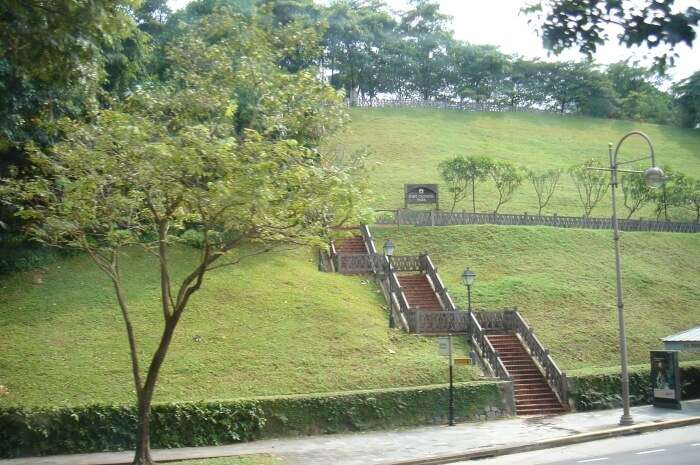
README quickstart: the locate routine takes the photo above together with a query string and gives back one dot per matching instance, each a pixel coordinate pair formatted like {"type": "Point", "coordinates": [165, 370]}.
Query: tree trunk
{"type": "Point", "coordinates": [143, 432]}
{"type": "Point", "coordinates": [473, 196]}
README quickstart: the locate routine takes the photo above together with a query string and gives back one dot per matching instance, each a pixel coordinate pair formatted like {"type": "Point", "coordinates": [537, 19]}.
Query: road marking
{"type": "Point", "coordinates": [650, 451]}
{"type": "Point", "coordinates": [693, 445]}
{"type": "Point", "coordinates": [592, 460]}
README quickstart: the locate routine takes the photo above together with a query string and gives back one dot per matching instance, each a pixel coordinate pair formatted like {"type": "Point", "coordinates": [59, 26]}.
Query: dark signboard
{"type": "Point", "coordinates": [420, 193]}
{"type": "Point", "coordinates": [665, 378]}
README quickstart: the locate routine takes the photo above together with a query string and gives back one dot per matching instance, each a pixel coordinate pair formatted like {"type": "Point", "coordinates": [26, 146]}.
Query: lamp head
{"type": "Point", "coordinates": [654, 177]}
{"type": "Point", "coordinates": [468, 277]}
{"type": "Point", "coordinates": [388, 248]}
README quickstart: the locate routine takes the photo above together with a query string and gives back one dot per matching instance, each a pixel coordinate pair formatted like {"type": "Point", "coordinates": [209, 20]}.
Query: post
{"type": "Point", "coordinates": [452, 404]}
{"type": "Point", "coordinates": [626, 418]}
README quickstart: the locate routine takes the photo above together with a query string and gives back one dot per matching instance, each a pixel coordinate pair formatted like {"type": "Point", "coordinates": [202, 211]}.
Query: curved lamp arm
{"type": "Point", "coordinates": [633, 133]}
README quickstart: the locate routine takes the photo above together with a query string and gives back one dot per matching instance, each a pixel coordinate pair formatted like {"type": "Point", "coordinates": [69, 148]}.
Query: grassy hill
{"type": "Point", "coordinates": [563, 281]}
{"type": "Point", "coordinates": [274, 325]}
{"type": "Point", "coordinates": [408, 144]}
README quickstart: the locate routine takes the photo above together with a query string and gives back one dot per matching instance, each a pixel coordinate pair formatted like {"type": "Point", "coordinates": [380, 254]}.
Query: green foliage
{"type": "Point", "coordinates": [602, 391]}
{"type": "Point", "coordinates": [635, 192]}
{"type": "Point", "coordinates": [506, 178]}
{"type": "Point", "coordinates": [544, 183]}
{"type": "Point", "coordinates": [96, 428]}
{"type": "Point", "coordinates": [590, 183]}
{"type": "Point", "coordinates": [583, 24]}
{"type": "Point", "coordinates": [687, 94]}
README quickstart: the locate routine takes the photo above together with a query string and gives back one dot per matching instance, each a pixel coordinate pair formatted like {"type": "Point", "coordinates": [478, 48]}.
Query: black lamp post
{"type": "Point", "coordinates": [388, 252]}
{"type": "Point", "coordinates": [468, 278]}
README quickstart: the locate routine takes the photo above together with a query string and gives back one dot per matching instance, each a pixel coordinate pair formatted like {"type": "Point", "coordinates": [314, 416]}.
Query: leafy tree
{"type": "Point", "coordinates": [591, 184]}
{"type": "Point", "coordinates": [478, 71]}
{"type": "Point", "coordinates": [454, 173]}
{"type": "Point", "coordinates": [180, 153]}
{"type": "Point", "coordinates": [635, 192]}
{"type": "Point", "coordinates": [567, 24]}
{"type": "Point", "coordinates": [689, 196]}
{"type": "Point", "coordinates": [506, 178]}
{"type": "Point", "coordinates": [638, 97]}
{"type": "Point", "coordinates": [477, 170]}
{"type": "Point", "coordinates": [687, 94]}
{"type": "Point", "coordinates": [544, 183]}
{"type": "Point", "coordinates": [425, 29]}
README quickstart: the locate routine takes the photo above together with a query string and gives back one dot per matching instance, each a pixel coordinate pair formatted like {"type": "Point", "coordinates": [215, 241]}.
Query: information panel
{"type": "Point", "coordinates": [665, 378]}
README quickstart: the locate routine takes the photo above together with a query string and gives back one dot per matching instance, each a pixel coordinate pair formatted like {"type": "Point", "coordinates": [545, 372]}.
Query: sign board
{"type": "Point", "coordinates": [444, 346]}
{"type": "Point", "coordinates": [665, 378]}
{"type": "Point", "coordinates": [462, 361]}
{"type": "Point", "coordinates": [420, 193]}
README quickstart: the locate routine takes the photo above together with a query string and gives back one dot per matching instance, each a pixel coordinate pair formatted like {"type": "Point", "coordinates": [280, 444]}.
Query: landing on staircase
{"type": "Point", "coordinates": [533, 396]}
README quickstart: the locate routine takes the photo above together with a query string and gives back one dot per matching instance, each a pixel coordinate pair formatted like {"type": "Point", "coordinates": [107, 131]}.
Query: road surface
{"type": "Point", "coordinates": [677, 446]}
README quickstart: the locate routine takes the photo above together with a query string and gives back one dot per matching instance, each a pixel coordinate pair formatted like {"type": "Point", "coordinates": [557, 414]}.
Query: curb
{"type": "Point", "coordinates": [487, 452]}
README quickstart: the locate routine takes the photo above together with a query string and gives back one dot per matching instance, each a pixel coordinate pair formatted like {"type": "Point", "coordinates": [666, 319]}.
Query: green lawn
{"type": "Point", "coordinates": [563, 281]}
{"type": "Point", "coordinates": [408, 144]}
{"type": "Point", "coordinates": [273, 325]}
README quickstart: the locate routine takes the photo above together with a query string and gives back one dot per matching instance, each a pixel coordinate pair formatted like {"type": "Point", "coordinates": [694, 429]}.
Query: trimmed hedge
{"type": "Point", "coordinates": [602, 391]}
{"type": "Point", "coordinates": [96, 428]}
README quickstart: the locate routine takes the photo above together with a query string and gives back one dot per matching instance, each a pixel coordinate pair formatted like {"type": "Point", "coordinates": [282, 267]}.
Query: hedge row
{"type": "Point", "coordinates": [602, 391]}
{"type": "Point", "coordinates": [95, 428]}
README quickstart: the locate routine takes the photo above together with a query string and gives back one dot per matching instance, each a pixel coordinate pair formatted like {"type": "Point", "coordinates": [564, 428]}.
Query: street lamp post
{"type": "Point", "coordinates": [654, 177]}
{"type": "Point", "coordinates": [388, 252]}
{"type": "Point", "coordinates": [468, 277]}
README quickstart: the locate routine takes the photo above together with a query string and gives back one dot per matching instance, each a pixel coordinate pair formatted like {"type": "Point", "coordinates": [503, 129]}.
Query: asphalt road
{"type": "Point", "coordinates": [678, 446]}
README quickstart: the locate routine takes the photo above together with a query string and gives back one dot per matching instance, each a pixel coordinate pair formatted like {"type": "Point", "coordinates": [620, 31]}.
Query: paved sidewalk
{"type": "Point", "coordinates": [381, 447]}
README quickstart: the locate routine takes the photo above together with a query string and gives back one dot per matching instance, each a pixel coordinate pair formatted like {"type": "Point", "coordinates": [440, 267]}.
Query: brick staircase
{"type": "Point", "coordinates": [419, 294]}
{"type": "Point", "coordinates": [351, 245]}
{"type": "Point", "coordinates": [533, 396]}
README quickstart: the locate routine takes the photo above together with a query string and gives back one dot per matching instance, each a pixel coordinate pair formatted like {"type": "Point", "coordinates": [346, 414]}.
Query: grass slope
{"type": "Point", "coordinates": [563, 281]}
{"type": "Point", "coordinates": [273, 325]}
{"type": "Point", "coordinates": [408, 144]}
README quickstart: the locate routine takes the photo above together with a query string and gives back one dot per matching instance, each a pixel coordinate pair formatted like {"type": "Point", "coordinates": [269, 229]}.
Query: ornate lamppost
{"type": "Point", "coordinates": [468, 278]}
{"type": "Point", "coordinates": [654, 178]}
{"type": "Point", "coordinates": [388, 252]}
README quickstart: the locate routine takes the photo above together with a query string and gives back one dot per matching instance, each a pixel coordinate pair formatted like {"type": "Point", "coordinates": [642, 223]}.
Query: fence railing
{"type": "Point", "coordinates": [439, 218]}
{"type": "Point", "coordinates": [432, 322]}
{"type": "Point", "coordinates": [464, 106]}
{"type": "Point", "coordinates": [485, 349]}
{"type": "Point", "coordinates": [405, 262]}
{"type": "Point", "coordinates": [431, 272]}
{"type": "Point", "coordinates": [511, 320]}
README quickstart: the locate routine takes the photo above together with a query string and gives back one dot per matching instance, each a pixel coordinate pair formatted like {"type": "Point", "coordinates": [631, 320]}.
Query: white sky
{"type": "Point", "coordinates": [498, 22]}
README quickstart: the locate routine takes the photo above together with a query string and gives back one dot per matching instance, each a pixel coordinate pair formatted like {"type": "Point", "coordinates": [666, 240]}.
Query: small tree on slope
{"type": "Point", "coordinates": [590, 184]}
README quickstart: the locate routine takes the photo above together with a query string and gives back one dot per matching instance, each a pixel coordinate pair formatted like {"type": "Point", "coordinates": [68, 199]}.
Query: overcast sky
{"type": "Point", "coordinates": [498, 22]}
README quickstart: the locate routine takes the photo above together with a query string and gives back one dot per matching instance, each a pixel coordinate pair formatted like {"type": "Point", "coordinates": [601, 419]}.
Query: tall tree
{"type": "Point", "coordinates": [590, 183]}
{"type": "Point", "coordinates": [425, 29]}
{"type": "Point", "coordinates": [687, 94]}
{"type": "Point", "coordinates": [181, 153]}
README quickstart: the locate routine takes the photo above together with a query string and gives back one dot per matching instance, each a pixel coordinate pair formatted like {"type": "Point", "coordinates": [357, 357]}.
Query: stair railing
{"type": "Point", "coordinates": [555, 377]}
{"type": "Point", "coordinates": [430, 271]}
{"type": "Point", "coordinates": [334, 256]}
{"type": "Point", "coordinates": [486, 351]}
